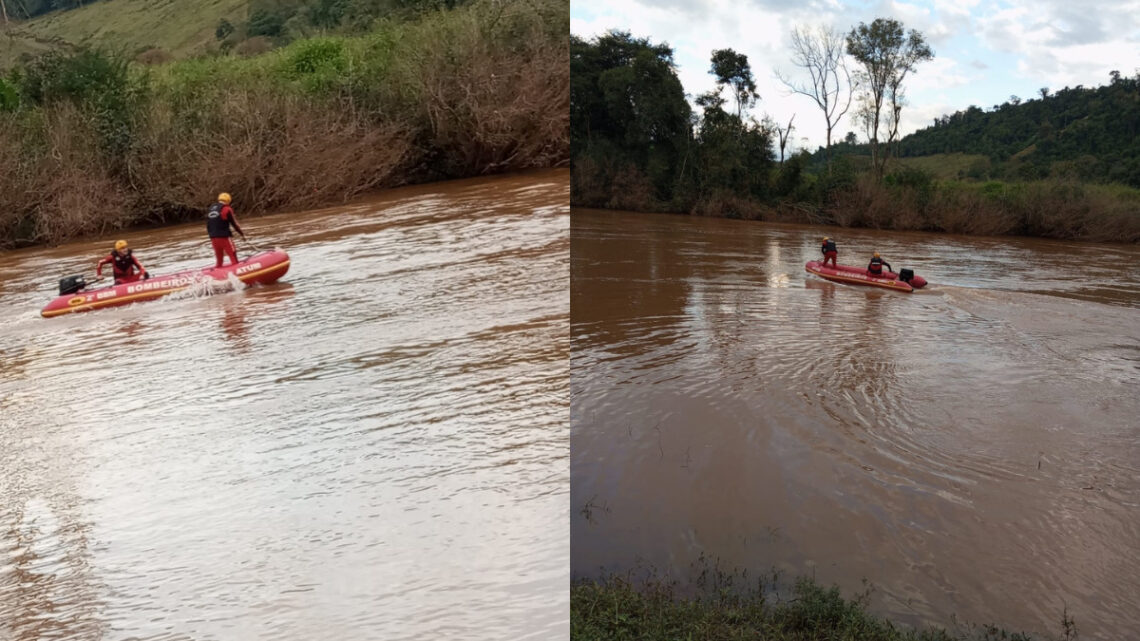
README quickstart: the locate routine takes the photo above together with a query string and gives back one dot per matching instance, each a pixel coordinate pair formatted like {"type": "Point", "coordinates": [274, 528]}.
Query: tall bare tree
{"type": "Point", "coordinates": [820, 53]}
{"type": "Point", "coordinates": [887, 54]}
{"type": "Point", "coordinates": [784, 133]}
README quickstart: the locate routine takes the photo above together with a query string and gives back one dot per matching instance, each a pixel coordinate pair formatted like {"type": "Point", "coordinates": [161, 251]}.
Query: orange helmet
{"type": "Point", "coordinates": [877, 255]}
{"type": "Point", "coordinates": [120, 245]}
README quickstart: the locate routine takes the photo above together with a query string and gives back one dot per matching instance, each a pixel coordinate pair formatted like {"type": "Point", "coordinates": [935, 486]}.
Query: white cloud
{"type": "Point", "coordinates": [1059, 43]}
{"type": "Point", "coordinates": [939, 73]}
{"type": "Point", "coordinates": [984, 51]}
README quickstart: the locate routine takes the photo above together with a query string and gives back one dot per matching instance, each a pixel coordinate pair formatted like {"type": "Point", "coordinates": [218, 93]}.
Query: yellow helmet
{"type": "Point", "coordinates": [120, 245]}
{"type": "Point", "coordinates": [826, 238]}
{"type": "Point", "coordinates": [224, 198]}
{"type": "Point", "coordinates": [877, 255]}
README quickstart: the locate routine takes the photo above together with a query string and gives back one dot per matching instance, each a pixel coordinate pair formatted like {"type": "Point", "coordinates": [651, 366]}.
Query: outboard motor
{"type": "Point", "coordinates": [71, 284]}
{"type": "Point", "coordinates": [907, 276]}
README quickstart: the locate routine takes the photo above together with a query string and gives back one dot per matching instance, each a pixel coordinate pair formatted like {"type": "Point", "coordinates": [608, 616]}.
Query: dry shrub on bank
{"type": "Point", "coordinates": [62, 188]}
{"type": "Point", "coordinates": [474, 90]}
{"type": "Point", "coordinates": [254, 46]}
{"type": "Point", "coordinates": [1118, 220]}
{"type": "Point", "coordinates": [631, 191]}
{"type": "Point", "coordinates": [13, 197]}
{"type": "Point", "coordinates": [972, 213]}
{"type": "Point", "coordinates": [494, 92]}
{"type": "Point", "coordinates": [727, 205]}
{"type": "Point", "coordinates": [589, 183]}
{"type": "Point", "coordinates": [799, 213]}
{"type": "Point", "coordinates": [865, 204]}
{"type": "Point", "coordinates": [269, 151]}
{"type": "Point", "coordinates": [153, 56]}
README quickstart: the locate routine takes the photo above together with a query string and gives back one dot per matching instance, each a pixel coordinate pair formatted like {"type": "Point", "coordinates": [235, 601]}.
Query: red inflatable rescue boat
{"type": "Point", "coordinates": [261, 268]}
{"type": "Point", "coordinates": [905, 281]}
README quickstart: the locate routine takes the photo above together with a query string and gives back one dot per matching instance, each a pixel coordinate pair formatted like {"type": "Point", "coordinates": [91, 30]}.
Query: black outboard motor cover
{"type": "Point", "coordinates": [71, 284]}
{"type": "Point", "coordinates": [905, 275]}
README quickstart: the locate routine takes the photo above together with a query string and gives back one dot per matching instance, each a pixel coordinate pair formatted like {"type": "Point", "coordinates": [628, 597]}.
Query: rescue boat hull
{"type": "Point", "coordinates": [261, 268]}
{"type": "Point", "coordinates": [857, 276]}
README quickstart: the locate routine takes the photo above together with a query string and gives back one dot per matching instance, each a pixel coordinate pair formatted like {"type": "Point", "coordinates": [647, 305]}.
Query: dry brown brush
{"type": "Point", "coordinates": [90, 148]}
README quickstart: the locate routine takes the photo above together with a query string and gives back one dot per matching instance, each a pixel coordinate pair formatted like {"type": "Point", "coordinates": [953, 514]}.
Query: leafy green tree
{"type": "Point", "coordinates": [224, 29]}
{"type": "Point", "coordinates": [887, 53]}
{"type": "Point", "coordinates": [734, 157]}
{"type": "Point", "coordinates": [327, 14]}
{"type": "Point", "coordinates": [264, 22]}
{"type": "Point", "coordinates": [628, 109]}
{"type": "Point", "coordinates": [732, 69]}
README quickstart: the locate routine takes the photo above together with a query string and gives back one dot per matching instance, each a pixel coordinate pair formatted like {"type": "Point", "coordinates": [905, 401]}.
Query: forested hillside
{"type": "Point", "coordinates": [1090, 134]}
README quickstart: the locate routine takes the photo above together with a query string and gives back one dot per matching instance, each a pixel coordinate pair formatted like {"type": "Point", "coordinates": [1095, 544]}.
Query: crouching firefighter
{"type": "Point", "coordinates": [875, 267]}
{"type": "Point", "coordinates": [125, 267]}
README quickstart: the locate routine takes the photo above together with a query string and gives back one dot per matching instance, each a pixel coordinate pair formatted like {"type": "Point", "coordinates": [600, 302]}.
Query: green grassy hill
{"type": "Point", "coordinates": [945, 166]}
{"type": "Point", "coordinates": [179, 28]}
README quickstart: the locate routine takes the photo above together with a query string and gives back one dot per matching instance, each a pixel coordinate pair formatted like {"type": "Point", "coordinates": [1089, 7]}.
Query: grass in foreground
{"type": "Point", "coordinates": [616, 609]}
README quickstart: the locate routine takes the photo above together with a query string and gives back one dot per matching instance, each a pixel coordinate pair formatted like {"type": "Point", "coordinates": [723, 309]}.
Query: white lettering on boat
{"type": "Point", "coordinates": [110, 294]}
{"type": "Point", "coordinates": [159, 284]}
{"type": "Point", "coordinates": [248, 268]}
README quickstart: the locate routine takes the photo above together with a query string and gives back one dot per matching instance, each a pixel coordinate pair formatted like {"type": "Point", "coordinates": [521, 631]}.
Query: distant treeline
{"type": "Point", "coordinates": [1091, 134]}
{"type": "Point", "coordinates": [638, 144]}
{"type": "Point", "coordinates": [285, 20]}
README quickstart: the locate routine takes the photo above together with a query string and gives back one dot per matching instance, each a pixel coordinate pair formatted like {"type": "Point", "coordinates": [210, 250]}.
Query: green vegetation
{"type": "Point", "coordinates": [633, 142]}
{"type": "Point", "coordinates": [127, 27]}
{"type": "Point", "coordinates": [637, 144]}
{"type": "Point", "coordinates": [614, 609]}
{"type": "Point", "coordinates": [155, 31]}
{"type": "Point", "coordinates": [91, 143]}
{"type": "Point", "coordinates": [1087, 134]}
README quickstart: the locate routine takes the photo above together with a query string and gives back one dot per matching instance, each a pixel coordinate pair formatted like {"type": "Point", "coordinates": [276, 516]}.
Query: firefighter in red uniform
{"type": "Point", "coordinates": [829, 251]}
{"type": "Point", "coordinates": [219, 219]}
{"type": "Point", "coordinates": [123, 265]}
{"type": "Point", "coordinates": [875, 268]}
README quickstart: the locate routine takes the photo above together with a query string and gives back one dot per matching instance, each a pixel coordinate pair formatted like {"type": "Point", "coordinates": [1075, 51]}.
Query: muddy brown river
{"type": "Point", "coordinates": [373, 448]}
{"type": "Point", "coordinates": [972, 449]}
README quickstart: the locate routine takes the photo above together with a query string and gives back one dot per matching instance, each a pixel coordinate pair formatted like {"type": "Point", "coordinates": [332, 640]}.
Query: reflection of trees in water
{"type": "Point", "coordinates": [628, 287]}
{"type": "Point", "coordinates": [238, 308]}
{"type": "Point", "coordinates": [234, 326]}
{"type": "Point", "coordinates": [13, 362]}
{"type": "Point", "coordinates": [47, 590]}
{"type": "Point", "coordinates": [131, 330]}
{"type": "Point", "coordinates": [13, 368]}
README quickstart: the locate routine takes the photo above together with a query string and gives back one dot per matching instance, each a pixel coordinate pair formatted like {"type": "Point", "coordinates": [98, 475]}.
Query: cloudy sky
{"type": "Point", "coordinates": [984, 51]}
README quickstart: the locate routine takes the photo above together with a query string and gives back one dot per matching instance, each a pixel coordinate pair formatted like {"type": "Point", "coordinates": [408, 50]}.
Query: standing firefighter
{"type": "Point", "coordinates": [829, 251]}
{"type": "Point", "coordinates": [219, 219]}
{"type": "Point", "coordinates": [123, 264]}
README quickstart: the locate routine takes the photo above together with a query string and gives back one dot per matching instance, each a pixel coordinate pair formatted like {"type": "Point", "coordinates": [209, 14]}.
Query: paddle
{"type": "Point", "coordinates": [255, 247]}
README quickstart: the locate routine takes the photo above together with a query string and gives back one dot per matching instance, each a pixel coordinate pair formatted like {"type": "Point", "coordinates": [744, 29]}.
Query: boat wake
{"type": "Point", "coordinates": [204, 286]}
